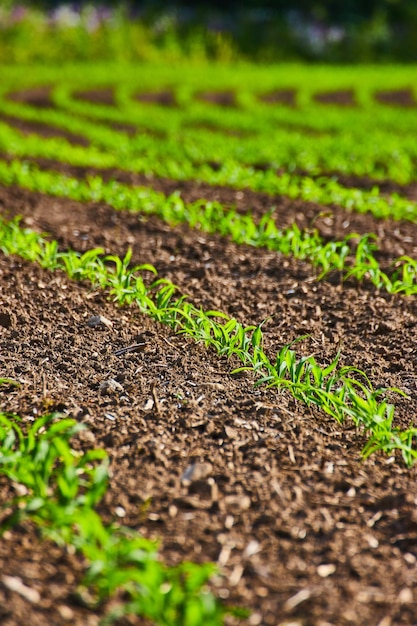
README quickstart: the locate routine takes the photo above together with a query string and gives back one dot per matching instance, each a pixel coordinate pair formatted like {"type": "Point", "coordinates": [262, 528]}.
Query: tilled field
{"type": "Point", "coordinates": [304, 531]}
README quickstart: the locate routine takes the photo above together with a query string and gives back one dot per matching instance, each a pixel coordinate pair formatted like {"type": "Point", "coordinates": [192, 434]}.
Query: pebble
{"type": "Point", "coordinates": [196, 471]}
{"type": "Point", "coordinates": [99, 320]}
{"type": "Point", "coordinates": [14, 583]}
{"type": "Point", "coordinates": [326, 569]}
{"type": "Point", "coordinates": [110, 386]}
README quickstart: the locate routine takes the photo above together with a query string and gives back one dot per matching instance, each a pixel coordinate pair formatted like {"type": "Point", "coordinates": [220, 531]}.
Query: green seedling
{"type": "Point", "coordinates": [8, 382]}
{"type": "Point", "coordinates": [62, 488]}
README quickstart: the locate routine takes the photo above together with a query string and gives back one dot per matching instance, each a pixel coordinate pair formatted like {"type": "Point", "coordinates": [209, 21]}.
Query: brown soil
{"type": "Point", "coordinates": [221, 98]}
{"type": "Point", "coordinates": [164, 98]}
{"type": "Point", "coordinates": [304, 532]}
{"type": "Point", "coordinates": [38, 97]}
{"type": "Point", "coordinates": [45, 130]}
{"type": "Point", "coordinates": [107, 97]}
{"type": "Point", "coordinates": [280, 96]}
{"type": "Point", "coordinates": [400, 98]}
{"type": "Point", "coordinates": [343, 97]}
{"type": "Point", "coordinates": [97, 96]}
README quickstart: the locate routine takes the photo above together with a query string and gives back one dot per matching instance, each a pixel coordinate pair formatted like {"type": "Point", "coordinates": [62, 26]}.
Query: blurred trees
{"type": "Point", "coordinates": [328, 10]}
{"type": "Point", "coordinates": [271, 30]}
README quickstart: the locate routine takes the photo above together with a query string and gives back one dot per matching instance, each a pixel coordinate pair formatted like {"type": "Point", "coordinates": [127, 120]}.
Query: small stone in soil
{"type": "Point", "coordinates": [99, 320]}
{"type": "Point", "coordinates": [110, 386]}
{"type": "Point", "coordinates": [14, 583]}
{"type": "Point", "coordinates": [196, 471]}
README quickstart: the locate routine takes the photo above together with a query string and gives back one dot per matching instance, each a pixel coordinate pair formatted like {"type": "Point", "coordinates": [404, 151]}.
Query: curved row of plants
{"type": "Point", "coordinates": [147, 156]}
{"type": "Point", "coordinates": [352, 261]}
{"type": "Point", "coordinates": [299, 138]}
{"type": "Point", "coordinates": [344, 393]}
{"type": "Point", "coordinates": [274, 144]}
{"type": "Point", "coordinates": [252, 88]}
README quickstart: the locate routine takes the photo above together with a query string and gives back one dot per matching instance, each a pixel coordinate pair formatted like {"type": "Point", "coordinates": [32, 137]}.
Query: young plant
{"type": "Point", "coordinates": [61, 488]}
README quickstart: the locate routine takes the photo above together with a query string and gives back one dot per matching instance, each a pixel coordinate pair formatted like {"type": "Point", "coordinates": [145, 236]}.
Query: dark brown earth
{"type": "Point", "coordinates": [39, 97]}
{"type": "Point", "coordinates": [27, 127]}
{"type": "Point", "coordinates": [280, 96]}
{"type": "Point", "coordinates": [101, 95]}
{"type": "Point", "coordinates": [343, 97]}
{"type": "Point", "coordinates": [164, 98]}
{"type": "Point", "coordinates": [221, 98]}
{"type": "Point", "coordinates": [305, 533]}
{"type": "Point", "coordinates": [399, 97]}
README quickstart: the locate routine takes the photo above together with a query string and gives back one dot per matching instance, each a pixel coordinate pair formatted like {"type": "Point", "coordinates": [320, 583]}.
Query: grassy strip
{"type": "Point", "coordinates": [212, 217]}
{"type": "Point", "coordinates": [62, 489]}
{"type": "Point", "coordinates": [342, 393]}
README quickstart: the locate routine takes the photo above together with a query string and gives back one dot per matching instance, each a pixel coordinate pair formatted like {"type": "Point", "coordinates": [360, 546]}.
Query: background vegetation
{"type": "Point", "coordinates": [270, 31]}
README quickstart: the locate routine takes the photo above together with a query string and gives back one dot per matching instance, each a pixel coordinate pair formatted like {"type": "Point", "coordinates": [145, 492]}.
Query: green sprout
{"type": "Point", "coordinates": [62, 488]}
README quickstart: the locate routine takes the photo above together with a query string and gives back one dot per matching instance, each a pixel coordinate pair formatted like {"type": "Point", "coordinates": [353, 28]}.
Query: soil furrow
{"type": "Point", "coordinates": [101, 95]}
{"type": "Point", "coordinates": [402, 98]}
{"type": "Point", "coordinates": [341, 98]}
{"type": "Point", "coordinates": [43, 129]}
{"type": "Point", "coordinates": [39, 97]}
